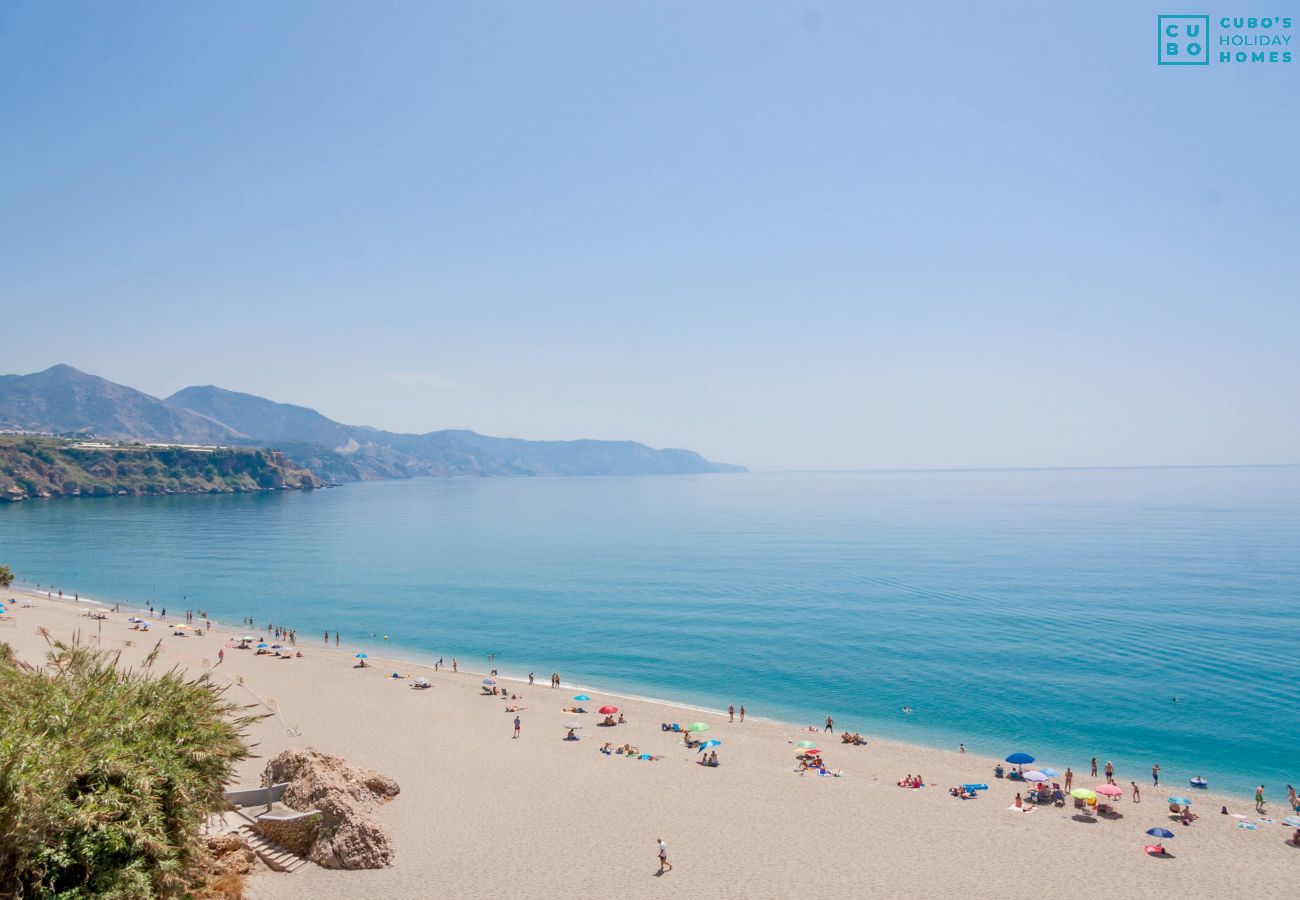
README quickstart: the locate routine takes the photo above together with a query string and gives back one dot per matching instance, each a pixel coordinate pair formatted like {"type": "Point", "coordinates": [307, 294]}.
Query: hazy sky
{"type": "Point", "coordinates": [790, 235]}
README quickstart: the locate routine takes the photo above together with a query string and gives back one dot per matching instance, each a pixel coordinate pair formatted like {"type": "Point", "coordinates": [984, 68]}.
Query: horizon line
{"type": "Point", "coordinates": [955, 469]}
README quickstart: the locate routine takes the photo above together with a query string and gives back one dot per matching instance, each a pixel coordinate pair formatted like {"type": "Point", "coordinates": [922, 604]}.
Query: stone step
{"type": "Point", "coordinates": [276, 857]}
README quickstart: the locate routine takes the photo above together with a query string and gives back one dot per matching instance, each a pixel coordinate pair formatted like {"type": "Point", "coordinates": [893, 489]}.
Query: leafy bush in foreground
{"type": "Point", "coordinates": [106, 775]}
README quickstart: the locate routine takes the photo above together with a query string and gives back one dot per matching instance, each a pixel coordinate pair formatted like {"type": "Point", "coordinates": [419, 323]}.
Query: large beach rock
{"type": "Point", "coordinates": [347, 836]}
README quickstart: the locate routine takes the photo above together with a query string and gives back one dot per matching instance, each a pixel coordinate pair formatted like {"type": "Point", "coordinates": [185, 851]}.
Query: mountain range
{"type": "Point", "coordinates": [64, 400]}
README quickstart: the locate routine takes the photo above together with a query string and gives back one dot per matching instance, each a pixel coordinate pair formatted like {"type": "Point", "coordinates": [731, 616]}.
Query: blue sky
{"type": "Point", "coordinates": [791, 235]}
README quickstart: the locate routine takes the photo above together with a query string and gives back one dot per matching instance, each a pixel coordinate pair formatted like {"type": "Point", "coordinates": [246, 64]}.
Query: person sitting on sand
{"type": "Point", "coordinates": [608, 749]}
{"type": "Point", "coordinates": [1188, 816]}
{"type": "Point", "coordinates": [905, 781]}
{"type": "Point", "coordinates": [609, 722]}
{"type": "Point", "coordinates": [621, 720]}
{"type": "Point", "coordinates": [1295, 838]}
{"type": "Point", "coordinates": [571, 736]}
{"type": "Point", "coordinates": [1020, 804]}
{"type": "Point", "coordinates": [298, 654]}
{"type": "Point", "coordinates": [361, 665]}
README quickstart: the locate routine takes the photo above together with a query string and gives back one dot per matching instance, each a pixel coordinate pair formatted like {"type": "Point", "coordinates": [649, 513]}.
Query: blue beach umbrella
{"type": "Point", "coordinates": [1050, 773]}
{"type": "Point", "coordinates": [489, 681]}
{"type": "Point", "coordinates": [1160, 832]}
{"type": "Point", "coordinates": [261, 646]}
{"type": "Point", "coordinates": [1181, 801]}
{"type": "Point", "coordinates": [362, 656]}
{"type": "Point", "coordinates": [1020, 759]}
{"type": "Point", "coordinates": [707, 744]}
{"type": "Point", "coordinates": [582, 697]}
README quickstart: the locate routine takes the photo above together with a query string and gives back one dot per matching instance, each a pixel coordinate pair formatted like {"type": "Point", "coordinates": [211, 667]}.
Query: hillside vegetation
{"type": "Point", "coordinates": [37, 468]}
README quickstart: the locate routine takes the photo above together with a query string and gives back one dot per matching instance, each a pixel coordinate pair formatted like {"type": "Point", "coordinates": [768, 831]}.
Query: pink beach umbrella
{"type": "Point", "coordinates": [1109, 790]}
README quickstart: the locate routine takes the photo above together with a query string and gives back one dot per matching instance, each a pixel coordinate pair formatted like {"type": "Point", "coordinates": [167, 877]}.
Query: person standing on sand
{"type": "Point", "coordinates": [1069, 778]}
{"type": "Point", "coordinates": [516, 726]}
{"type": "Point", "coordinates": [1094, 767]}
{"type": "Point", "coordinates": [1155, 775]}
{"type": "Point", "coordinates": [731, 713]}
{"type": "Point", "coordinates": [1110, 772]}
{"type": "Point", "coordinates": [742, 712]}
{"type": "Point", "coordinates": [453, 664]}
{"type": "Point", "coordinates": [221, 656]}
{"type": "Point", "coordinates": [1137, 795]}
{"type": "Point", "coordinates": [530, 679]}
{"type": "Point", "coordinates": [664, 864]}
{"type": "Point", "coordinates": [1259, 799]}
{"type": "Point", "coordinates": [830, 725]}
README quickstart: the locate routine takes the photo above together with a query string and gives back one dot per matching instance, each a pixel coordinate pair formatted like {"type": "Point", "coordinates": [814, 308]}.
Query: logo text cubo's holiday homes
{"type": "Point", "coordinates": [1198, 40]}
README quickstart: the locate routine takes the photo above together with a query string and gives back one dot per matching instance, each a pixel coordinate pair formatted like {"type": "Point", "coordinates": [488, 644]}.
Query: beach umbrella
{"type": "Point", "coordinates": [608, 710]}
{"type": "Point", "coordinates": [1020, 759]}
{"type": "Point", "coordinates": [803, 744]}
{"type": "Point", "coordinates": [359, 655]}
{"type": "Point", "coordinates": [1050, 773]}
{"type": "Point", "coordinates": [1292, 820]}
{"type": "Point", "coordinates": [277, 646]}
{"type": "Point", "coordinates": [707, 744]}
{"type": "Point", "coordinates": [247, 638]}
{"type": "Point", "coordinates": [489, 681]}
{"type": "Point", "coordinates": [1035, 776]}
{"type": "Point", "coordinates": [261, 646]}
{"type": "Point", "coordinates": [812, 751]}
{"type": "Point", "coordinates": [698, 726]}
{"type": "Point", "coordinates": [572, 725]}
{"type": "Point", "coordinates": [1160, 832]}
{"type": "Point", "coordinates": [1083, 794]}
{"type": "Point", "coordinates": [582, 697]}
{"type": "Point", "coordinates": [1110, 790]}
{"type": "Point", "coordinates": [1181, 801]}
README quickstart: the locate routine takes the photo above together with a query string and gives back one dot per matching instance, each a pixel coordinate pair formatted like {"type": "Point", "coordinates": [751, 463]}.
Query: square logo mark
{"type": "Point", "coordinates": [1183, 40]}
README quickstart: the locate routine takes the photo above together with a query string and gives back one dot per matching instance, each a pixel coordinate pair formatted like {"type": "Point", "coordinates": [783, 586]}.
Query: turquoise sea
{"type": "Point", "coordinates": [1057, 612]}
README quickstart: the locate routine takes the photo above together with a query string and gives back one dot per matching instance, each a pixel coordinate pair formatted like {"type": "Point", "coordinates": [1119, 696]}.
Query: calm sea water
{"type": "Point", "coordinates": [1055, 612]}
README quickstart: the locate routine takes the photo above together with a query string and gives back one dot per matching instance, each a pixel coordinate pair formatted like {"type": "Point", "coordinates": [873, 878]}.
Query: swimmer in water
{"type": "Point", "coordinates": [907, 710]}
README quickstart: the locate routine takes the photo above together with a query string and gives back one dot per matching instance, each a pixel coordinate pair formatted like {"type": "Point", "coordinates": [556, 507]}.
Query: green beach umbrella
{"type": "Point", "coordinates": [698, 726]}
{"type": "Point", "coordinates": [804, 745]}
{"type": "Point", "coordinates": [1083, 794]}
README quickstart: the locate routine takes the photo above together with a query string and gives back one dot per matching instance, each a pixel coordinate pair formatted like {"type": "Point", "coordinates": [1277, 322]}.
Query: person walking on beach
{"type": "Point", "coordinates": [731, 713]}
{"type": "Point", "coordinates": [221, 656]}
{"type": "Point", "coordinates": [1259, 799]}
{"type": "Point", "coordinates": [1137, 795]}
{"type": "Point", "coordinates": [1069, 778]}
{"type": "Point", "coordinates": [1155, 775]}
{"type": "Point", "coordinates": [1110, 772]}
{"type": "Point", "coordinates": [1094, 767]}
{"type": "Point", "coordinates": [664, 864]}
{"type": "Point", "coordinates": [516, 726]}
{"type": "Point", "coordinates": [830, 725]}
{"type": "Point", "coordinates": [742, 712]}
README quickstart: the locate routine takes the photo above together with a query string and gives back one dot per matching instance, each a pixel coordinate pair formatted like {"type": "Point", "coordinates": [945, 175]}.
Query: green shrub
{"type": "Point", "coordinates": [106, 775]}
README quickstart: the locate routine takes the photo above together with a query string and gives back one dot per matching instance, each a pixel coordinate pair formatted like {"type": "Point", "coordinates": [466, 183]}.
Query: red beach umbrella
{"type": "Point", "coordinates": [608, 710]}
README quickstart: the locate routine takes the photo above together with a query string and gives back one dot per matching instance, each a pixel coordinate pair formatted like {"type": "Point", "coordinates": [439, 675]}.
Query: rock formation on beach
{"type": "Point", "coordinates": [346, 834]}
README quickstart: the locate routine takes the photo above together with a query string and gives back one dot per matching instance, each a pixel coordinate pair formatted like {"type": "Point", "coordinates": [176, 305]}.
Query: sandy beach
{"type": "Point", "coordinates": [482, 814]}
